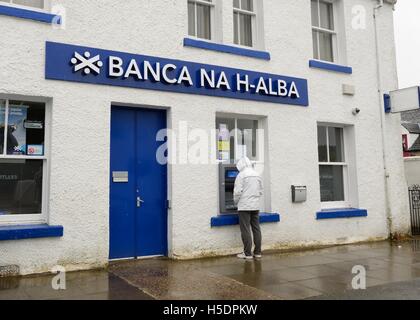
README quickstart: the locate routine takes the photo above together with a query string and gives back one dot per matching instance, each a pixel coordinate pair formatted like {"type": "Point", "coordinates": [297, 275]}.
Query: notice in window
{"type": "Point", "coordinates": [16, 133]}
{"type": "Point", "coordinates": [224, 143]}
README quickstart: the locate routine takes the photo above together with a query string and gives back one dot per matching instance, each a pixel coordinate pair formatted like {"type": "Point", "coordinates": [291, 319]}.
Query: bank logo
{"type": "Point", "coordinates": [87, 63]}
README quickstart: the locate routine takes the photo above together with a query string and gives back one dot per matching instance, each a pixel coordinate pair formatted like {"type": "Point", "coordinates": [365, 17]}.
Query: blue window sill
{"type": "Point", "coordinates": [330, 66]}
{"type": "Point", "coordinates": [341, 213]}
{"type": "Point", "coordinates": [30, 232]}
{"type": "Point", "coordinates": [30, 14]}
{"type": "Point", "coordinates": [233, 219]}
{"type": "Point", "coordinates": [188, 42]}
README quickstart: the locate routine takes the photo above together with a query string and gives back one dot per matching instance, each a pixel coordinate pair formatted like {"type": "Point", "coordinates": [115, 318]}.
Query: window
{"type": "Point", "coordinates": [39, 4]}
{"type": "Point", "coordinates": [22, 160]}
{"type": "Point", "coordinates": [332, 164]}
{"type": "Point", "coordinates": [200, 18]}
{"type": "Point", "coordinates": [324, 34]}
{"type": "Point", "coordinates": [243, 22]}
{"type": "Point", "coordinates": [237, 138]}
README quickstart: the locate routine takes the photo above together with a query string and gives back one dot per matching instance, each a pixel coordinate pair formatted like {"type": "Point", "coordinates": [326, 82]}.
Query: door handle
{"type": "Point", "coordinates": [139, 202]}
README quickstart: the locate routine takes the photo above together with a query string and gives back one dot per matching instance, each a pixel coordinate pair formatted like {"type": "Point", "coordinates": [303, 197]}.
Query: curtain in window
{"type": "Point", "coordinates": [245, 22]}
{"type": "Point", "coordinates": [191, 18]}
{"type": "Point", "coordinates": [326, 46]}
{"type": "Point", "coordinates": [30, 3]}
{"type": "Point", "coordinates": [204, 23]}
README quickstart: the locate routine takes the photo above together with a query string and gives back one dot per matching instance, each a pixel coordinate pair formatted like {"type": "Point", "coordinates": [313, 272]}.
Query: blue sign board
{"type": "Point", "coordinates": [97, 66]}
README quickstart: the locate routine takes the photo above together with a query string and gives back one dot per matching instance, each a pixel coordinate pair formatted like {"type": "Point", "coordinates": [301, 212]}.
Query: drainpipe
{"type": "Point", "coordinates": [382, 116]}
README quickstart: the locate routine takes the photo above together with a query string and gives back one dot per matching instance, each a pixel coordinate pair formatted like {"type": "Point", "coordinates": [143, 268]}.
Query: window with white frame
{"type": "Point", "coordinates": [22, 160]}
{"type": "Point", "coordinates": [333, 168]}
{"type": "Point", "coordinates": [244, 16]}
{"type": "Point", "coordinates": [39, 4]}
{"type": "Point", "coordinates": [238, 137]}
{"type": "Point", "coordinates": [324, 33]}
{"type": "Point", "coordinates": [200, 18]}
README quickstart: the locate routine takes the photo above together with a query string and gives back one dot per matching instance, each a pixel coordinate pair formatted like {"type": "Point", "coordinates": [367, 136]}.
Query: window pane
{"type": "Point", "coordinates": [335, 137]}
{"type": "Point", "coordinates": [30, 3]}
{"type": "Point", "coordinates": [325, 46]}
{"type": "Point", "coordinates": [21, 187]}
{"type": "Point", "coordinates": [204, 22]}
{"type": "Point", "coordinates": [322, 144]}
{"type": "Point", "coordinates": [247, 139]}
{"type": "Point", "coordinates": [326, 15]}
{"type": "Point", "coordinates": [225, 139]}
{"type": "Point", "coordinates": [236, 28]}
{"type": "Point", "coordinates": [245, 24]}
{"type": "Point", "coordinates": [191, 18]}
{"type": "Point", "coordinates": [247, 5]}
{"type": "Point", "coordinates": [332, 183]}
{"type": "Point", "coordinates": [26, 128]}
{"type": "Point", "coordinates": [315, 44]}
{"type": "Point", "coordinates": [315, 13]}
{"type": "Point", "coordinates": [236, 4]}
{"type": "Point", "coordinates": [2, 119]}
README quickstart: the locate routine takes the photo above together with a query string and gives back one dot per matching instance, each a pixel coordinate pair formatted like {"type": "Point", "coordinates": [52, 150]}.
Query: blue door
{"type": "Point", "coordinates": [138, 195]}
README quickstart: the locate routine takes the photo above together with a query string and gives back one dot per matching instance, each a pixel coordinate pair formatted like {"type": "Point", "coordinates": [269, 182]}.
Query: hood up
{"type": "Point", "coordinates": [243, 164]}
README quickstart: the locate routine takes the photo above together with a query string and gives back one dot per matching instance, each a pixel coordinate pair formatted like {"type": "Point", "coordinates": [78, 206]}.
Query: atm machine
{"type": "Point", "coordinates": [227, 177]}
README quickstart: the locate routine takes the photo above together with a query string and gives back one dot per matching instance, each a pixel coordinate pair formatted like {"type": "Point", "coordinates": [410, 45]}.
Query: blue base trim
{"type": "Point", "coordinates": [330, 66]}
{"type": "Point", "coordinates": [30, 232]}
{"type": "Point", "coordinates": [233, 219]}
{"type": "Point", "coordinates": [30, 14]}
{"type": "Point", "coordinates": [341, 213]}
{"type": "Point", "coordinates": [188, 42]}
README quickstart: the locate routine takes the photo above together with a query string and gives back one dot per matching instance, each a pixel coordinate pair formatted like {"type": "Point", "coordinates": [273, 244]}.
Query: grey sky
{"type": "Point", "coordinates": [407, 30]}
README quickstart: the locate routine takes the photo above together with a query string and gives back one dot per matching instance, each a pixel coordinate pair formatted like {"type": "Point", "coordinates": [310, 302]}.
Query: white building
{"type": "Point", "coordinates": [87, 86]}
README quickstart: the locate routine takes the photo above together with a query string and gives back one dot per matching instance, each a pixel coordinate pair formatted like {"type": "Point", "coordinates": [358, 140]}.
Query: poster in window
{"type": "Point", "coordinates": [35, 150]}
{"type": "Point", "coordinates": [16, 135]}
{"type": "Point", "coordinates": [224, 143]}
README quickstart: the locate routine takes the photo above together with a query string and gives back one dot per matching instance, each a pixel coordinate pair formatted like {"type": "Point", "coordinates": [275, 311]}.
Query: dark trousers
{"type": "Point", "coordinates": [250, 221]}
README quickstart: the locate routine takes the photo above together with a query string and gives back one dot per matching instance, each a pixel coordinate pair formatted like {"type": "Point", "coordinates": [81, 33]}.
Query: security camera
{"type": "Point", "coordinates": [356, 111]}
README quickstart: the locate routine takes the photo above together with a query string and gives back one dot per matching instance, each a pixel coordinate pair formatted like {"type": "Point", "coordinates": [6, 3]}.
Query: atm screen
{"type": "Point", "coordinates": [232, 174]}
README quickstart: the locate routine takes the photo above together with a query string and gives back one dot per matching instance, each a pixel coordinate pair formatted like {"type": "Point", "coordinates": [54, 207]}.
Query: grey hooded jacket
{"type": "Point", "coordinates": [248, 187]}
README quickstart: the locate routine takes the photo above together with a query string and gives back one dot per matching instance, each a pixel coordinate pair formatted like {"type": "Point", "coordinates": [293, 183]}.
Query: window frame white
{"type": "Point", "coordinates": [42, 217]}
{"type": "Point", "coordinates": [262, 162]}
{"type": "Point", "coordinates": [254, 18]}
{"type": "Point", "coordinates": [259, 146]}
{"type": "Point", "coordinates": [335, 33]}
{"type": "Point", "coordinates": [344, 164]}
{"type": "Point", "coordinates": [213, 5]}
{"type": "Point", "coordinates": [47, 6]}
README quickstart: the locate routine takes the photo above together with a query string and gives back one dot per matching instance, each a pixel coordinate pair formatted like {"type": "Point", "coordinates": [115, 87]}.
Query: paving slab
{"type": "Point", "coordinates": [324, 273]}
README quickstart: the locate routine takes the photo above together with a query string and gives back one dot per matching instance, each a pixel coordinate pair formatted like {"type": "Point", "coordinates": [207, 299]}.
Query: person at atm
{"type": "Point", "coordinates": [247, 193]}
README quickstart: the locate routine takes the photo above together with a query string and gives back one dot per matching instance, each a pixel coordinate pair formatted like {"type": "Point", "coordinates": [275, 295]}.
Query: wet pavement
{"type": "Point", "coordinates": [392, 272]}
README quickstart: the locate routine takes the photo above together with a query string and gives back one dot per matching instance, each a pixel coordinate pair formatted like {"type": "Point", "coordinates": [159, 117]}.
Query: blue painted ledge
{"type": "Point", "coordinates": [188, 42]}
{"type": "Point", "coordinates": [233, 219]}
{"type": "Point", "coordinates": [341, 213]}
{"type": "Point", "coordinates": [30, 14]}
{"type": "Point", "coordinates": [330, 66]}
{"type": "Point", "coordinates": [30, 232]}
